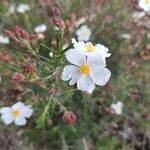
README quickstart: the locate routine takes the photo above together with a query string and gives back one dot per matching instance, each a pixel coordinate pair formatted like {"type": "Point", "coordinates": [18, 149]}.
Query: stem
{"type": "Point", "coordinates": [62, 106]}
{"type": "Point", "coordinates": [46, 47]}
{"type": "Point", "coordinates": [44, 58]}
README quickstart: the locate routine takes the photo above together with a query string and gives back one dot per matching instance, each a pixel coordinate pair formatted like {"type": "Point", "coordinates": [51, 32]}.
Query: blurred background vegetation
{"type": "Point", "coordinates": [113, 25]}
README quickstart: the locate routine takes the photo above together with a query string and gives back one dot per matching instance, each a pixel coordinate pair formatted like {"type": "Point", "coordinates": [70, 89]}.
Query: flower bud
{"type": "Point", "coordinates": [21, 34]}
{"type": "Point", "coordinates": [28, 68]}
{"type": "Point", "coordinates": [69, 117]}
{"type": "Point", "coordinates": [57, 21]}
{"type": "Point", "coordinates": [50, 122]}
{"type": "Point", "coordinates": [5, 57]}
{"type": "Point", "coordinates": [57, 12]}
{"type": "Point", "coordinates": [18, 76]}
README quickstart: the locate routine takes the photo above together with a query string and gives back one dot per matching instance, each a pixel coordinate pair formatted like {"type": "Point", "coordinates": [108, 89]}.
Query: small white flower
{"type": "Point", "coordinates": [125, 36]}
{"type": "Point", "coordinates": [4, 39]}
{"type": "Point", "coordinates": [40, 28]}
{"type": "Point", "coordinates": [83, 33]}
{"type": "Point", "coordinates": [56, 28]}
{"type": "Point", "coordinates": [86, 71]}
{"type": "Point", "coordinates": [17, 114]}
{"type": "Point", "coordinates": [22, 8]}
{"type": "Point", "coordinates": [117, 107]}
{"type": "Point", "coordinates": [145, 5]}
{"type": "Point", "coordinates": [51, 54]}
{"type": "Point", "coordinates": [89, 49]}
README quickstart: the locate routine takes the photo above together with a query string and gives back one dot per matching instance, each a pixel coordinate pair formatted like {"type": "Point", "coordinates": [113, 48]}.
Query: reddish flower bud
{"type": "Point", "coordinates": [9, 33]}
{"type": "Point", "coordinates": [28, 68]}
{"type": "Point", "coordinates": [57, 21]}
{"type": "Point", "coordinates": [50, 122]}
{"type": "Point", "coordinates": [18, 76]}
{"type": "Point", "coordinates": [110, 110]}
{"type": "Point", "coordinates": [26, 56]}
{"type": "Point", "coordinates": [69, 117]}
{"type": "Point", "coordinates": [57, 12]}
{"type": "Point", "coordinates": [5, 57]}
{"type": "Point", "coordinates": [21, 34]}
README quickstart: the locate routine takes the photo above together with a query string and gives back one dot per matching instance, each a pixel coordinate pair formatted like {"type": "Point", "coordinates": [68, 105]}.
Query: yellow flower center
{"type": "Point", "coordinates": [85, 69]}
{"type": "Point", "coordinates": [90, 47]}
{"type": "Point", "coordinates": [147, 1]}
{"type": "Point", "coordinates": [16, 113]}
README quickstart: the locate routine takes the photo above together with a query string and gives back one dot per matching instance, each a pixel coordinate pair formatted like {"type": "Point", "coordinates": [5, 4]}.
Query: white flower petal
{"type": "Point", "coordinates": [102, 50]}
{"type": "Point", "coordinates": [40, 28]}
{"type": "Point", "coordinates": [4, 39]}
{"type": "Point", "coordinates": [75, 57]}
{"type": "Point", "coordinates": [22, 8]}
{"type": "Point", "coordinates": [85, 83]}
{"type": "Point", "coordinates": [75, 78]}
{"type": "Point", "coordinates": [144, 5]}
{"type": "Point", "coordinates": [4, 110]}
{"type": "Point", "coordinates": [83, 33]}
{"type": "Point", "coordinates": [18, 105]}
{"type": "Point", "coordinates": [20, 121]}
{"type": "Point", "coordinates": [95, 60]}
{"type": "Point", "coordinates": [119, 103]}
{"type": "Point", "coordinates": [100, 75]}
{"type": "Point", "coordinates": [27, 111]}
{"type": "Point", "coordinates": [7, 118]}
{"type": "Point", "coordinates": [68, 72]}
{"type": "Point", "coordinates": [79, 46]}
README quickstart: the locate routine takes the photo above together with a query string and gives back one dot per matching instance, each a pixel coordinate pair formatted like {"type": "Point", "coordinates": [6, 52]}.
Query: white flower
{"type": "Point", "coordinates": [83, 33]}
{"type": "Point", "coordinates": [51, 54]}
{"type": "Point", "coordinates": [145, 5]}
{"type": "Point", "coordinates": [22, 8]}
{"type": "Point", "coordinates": [56, 28]}
{"type": "Point", "coordinates": [17, 114]}
{"type": "Point", "coordinates": [4, 39]}
{"type": "Point", "coordinates": [86, 71]}
{"type": "Point", "coordinates": [117, 107]}
{"type": "Point", "coordinates": [125, 36]}
{"type": "Point", "coordinates": [40, 28]}
{"type": "Point", "coordinates": [89, 49]}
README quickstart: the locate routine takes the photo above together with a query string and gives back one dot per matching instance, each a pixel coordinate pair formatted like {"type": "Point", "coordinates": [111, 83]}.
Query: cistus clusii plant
{"type": "Point", "coordinates": [74, 75]}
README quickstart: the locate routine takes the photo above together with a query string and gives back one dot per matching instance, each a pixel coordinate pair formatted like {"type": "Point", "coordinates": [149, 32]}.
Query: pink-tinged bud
{"type": "Point", "coordinates": [5, 57]}
{"type": "Point", "coordinates": [57, 21]}
{"type": "Point", "coordinates": [69, 117]}
{"type": "Point", "coordinates": [50, 122]}
{"type": "Point", "coordinates": [26, 56]}
{"type": "Point", "coordinates": [9, 33]}
{"type": "Point", "coordinates": [57, 12]}
{"type": "Point", "coordinates": [40, 36]}
{"type": "Point", "coordinates": [21, 34]}
{"type": "Point", "coordinates": [18, 76]}
{"type": "Point", "coordinates": [28, 68]}
{"type": "Point", "coordinates": [110, 110]}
